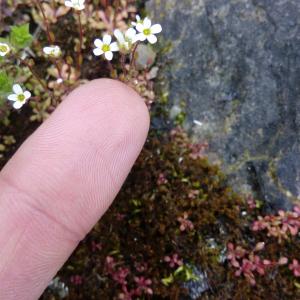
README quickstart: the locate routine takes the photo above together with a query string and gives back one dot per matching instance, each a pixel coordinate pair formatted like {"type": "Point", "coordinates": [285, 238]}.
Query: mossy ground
{"type": "Point", "coordinates": [142, 227]}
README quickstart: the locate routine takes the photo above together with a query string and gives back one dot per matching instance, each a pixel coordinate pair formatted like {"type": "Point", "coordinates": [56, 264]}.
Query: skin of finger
{"type": "Point", "coordinates": [63, 179]}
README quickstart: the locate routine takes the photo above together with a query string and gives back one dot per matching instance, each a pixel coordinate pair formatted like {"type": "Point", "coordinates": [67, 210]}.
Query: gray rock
{"type": "Point", "coordinates": [58, 287]}
{"type": "Point", "coordinates": [197, 287]}
{"type": "Point", "coordinates": [236, 63]}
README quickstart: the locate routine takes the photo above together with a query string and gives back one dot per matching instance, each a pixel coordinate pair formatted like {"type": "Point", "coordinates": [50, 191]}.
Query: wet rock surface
{"type": "Point", "coordinates": [236, 65]}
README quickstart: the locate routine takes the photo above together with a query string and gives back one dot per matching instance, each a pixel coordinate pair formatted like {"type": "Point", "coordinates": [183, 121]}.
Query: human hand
{"type": "Point", "coordinates": [62, 180]}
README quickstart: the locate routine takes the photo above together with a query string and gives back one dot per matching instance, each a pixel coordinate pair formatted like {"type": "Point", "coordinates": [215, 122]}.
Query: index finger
{"type": "Point", "coordinates": [62, 180]}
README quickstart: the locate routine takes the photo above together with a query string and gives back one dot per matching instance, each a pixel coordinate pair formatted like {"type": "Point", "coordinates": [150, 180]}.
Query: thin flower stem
{"type": "Point", "coordinates": [56, 63]}
{"type": "Point", "coordinates": [132, 63]}
{"type": "Point", "coordinates": [49, 36]}
{"type": "Point", "coordinates": [123, 64]}
{"type": "Point", "coordinates": [70, 71]}
{"type": "Point", "coordinates": [111, 69]}
{"type": "Point", "coordinates": [25, 63]}
{"type": "Point", "coordinates": [80, 41]}
{"type": "Point", "coordinates": [46, 23]}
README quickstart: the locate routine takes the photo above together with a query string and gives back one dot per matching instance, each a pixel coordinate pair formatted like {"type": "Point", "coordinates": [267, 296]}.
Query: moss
{"type": "Point", "coordinates": [142, 227]}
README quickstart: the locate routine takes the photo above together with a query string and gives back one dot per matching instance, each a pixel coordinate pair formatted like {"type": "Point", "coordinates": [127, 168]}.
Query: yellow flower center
{"type": "Point", "coordinates": [105, 48]}
{"type": "Point", "coordinates": [3, 48]}
{"type": "Point", "coordinates": [21, 97]}
{"type": "Point", "coordinates": [147, 31]}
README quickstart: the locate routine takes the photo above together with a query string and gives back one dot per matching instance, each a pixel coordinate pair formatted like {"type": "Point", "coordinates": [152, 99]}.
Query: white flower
{"type": "Point", "coordinates": [4, 49]}
{"type": "Point", "coordinates": [139, 20]}
{"type": "Point", "coordinates": [125, 40]}
{"type": "Point", "coordinates": [148, 31]}
{"type": "Point", "coordinates": [105, 47]}
{"type": "Point", "coordinates": [53, 51]}
{"type": "Point", "coordinates": [76, 4]}
{"type": "Point", "coordinates": [19, 97]}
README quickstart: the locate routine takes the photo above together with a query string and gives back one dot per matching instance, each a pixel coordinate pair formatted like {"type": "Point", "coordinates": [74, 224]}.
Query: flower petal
{"type": "Point", "coordinates": [12, 97]}
{"type": "Point", "coordinates": [134, 39]}
{"type": "Point", "coordinates": [106, 39]}
{"type": "Point", "coordinates": [140, 27]}
{"type": "Point", "coordinates": [108, 55]}
{"type": "Point", "coordinates": [147, 23]}
{"type": "Point", "coordinates": [98, 43]}
{"type": "Point", "coordinates": [152, 39]}
{"type": "Point", "coordinates": [27, 95]}
{"type": "Point", "coordinates": [140, 37]}
{"type": "Point", "coordinates": [79, 7]}
{"type": "Point", "coordinates": [17, 89]}
{"type": "Point", "coordinates": [119, 36]}
{"type": "Point", "coordinates": [98, 51]}
{"type": "Point", "coordinates": [138, 18]}
{"type": "Point", "coordinates": [46, 50]}
{"type": "Point", "coordinates": [18, 104]}
{"type": "Point", "coordinates": [156, 28]}
{"type": "Point", "coordinates": [68, 3]}
{"type": "Point", "coordinates": [130, 33]}
{"type": "Point", "coordinates": [114, 47]}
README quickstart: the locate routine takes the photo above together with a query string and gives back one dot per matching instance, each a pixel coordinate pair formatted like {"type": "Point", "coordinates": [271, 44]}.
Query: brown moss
{"type": "Point", "coordinates": [141, 228]}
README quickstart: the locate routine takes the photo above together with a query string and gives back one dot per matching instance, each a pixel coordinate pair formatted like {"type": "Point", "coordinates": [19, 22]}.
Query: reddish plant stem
{"type": "Point", "coordinates": [132, 63]}
{"type": "Point", "coordinates": [70, 71]}
{"type": "Point", "coordinates": [25, 63]}
{"type": "Point", "coordinates": [55, 62]}
{"type": "Point", "coordinates": [123, 64]}
{"type": "Point", "coordinates": [49, 37]}
{"type": "Point", "coordinates": [111, 69]}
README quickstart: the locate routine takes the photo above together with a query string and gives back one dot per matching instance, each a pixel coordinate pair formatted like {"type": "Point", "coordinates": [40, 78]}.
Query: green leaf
{"type": "Point", "coordinates": [179, 270]}
{"type": "Point", "coordinates": [168, 280]}
{"type": "Point", "coordinates": [20, 36]}
{"type": "Point", "coordinates": [5, 84]}
{"type": "Point", "coordinates": [185, 273]}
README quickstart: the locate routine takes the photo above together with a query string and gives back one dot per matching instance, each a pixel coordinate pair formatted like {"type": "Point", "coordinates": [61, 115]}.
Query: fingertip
{"type": "Point", "coordinates": [117, 109]}
{"type": "Point", "coordinates": [110, 91]}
